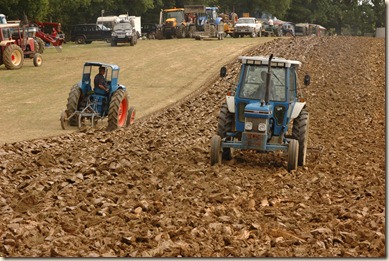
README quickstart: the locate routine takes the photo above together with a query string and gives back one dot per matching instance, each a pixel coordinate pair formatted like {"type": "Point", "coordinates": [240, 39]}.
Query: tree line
{"type": "Point", "coordinates": [356, 17]}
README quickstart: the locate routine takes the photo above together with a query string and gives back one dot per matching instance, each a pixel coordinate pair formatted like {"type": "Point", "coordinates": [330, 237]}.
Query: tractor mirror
{"type": "Point", "coordinates": [223, 71]}
{"type": "Point", "coordinates": [307, 80]}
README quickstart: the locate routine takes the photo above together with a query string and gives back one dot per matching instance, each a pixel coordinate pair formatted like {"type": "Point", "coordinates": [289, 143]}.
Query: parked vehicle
{"type": "Point", "coordinates": [172, 24]}
{"type": "Point", "coordinates": [124, 32]}
{"type": "Point", "coordinates": [149, 30]}
{"type": "Point", "coordinates": [87, 33]}
{"type": "Point", "coordinates": [247, 26]}
{"type": "Point", "coordinates": [15, 46]}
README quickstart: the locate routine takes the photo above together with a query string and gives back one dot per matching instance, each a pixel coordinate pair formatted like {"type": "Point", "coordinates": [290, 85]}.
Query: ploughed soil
{"type": "Point", "coordinates": [150, 190]}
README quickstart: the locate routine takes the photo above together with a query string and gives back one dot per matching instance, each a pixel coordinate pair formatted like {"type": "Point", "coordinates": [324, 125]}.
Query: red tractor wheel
{"type": "Point", "coordinates": [13, 57]}
{"type": "Point", "coordinates": [37, 59]}
{"type": "Point", "coordinates": [118, 110]}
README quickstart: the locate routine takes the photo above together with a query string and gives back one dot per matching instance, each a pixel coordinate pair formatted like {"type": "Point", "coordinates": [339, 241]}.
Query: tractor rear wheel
{"type": "Point", "coordinates": [73, 103]}
{"type": "Point", "coordinates": [13, 57]}
{"type": "Point", "coordinates": [300, 132]}
{"type": "Point", "coordinates": [37, 60]}
{"type": "Point", "coordinates": [118, 109]}
{"type": "Point", "coordinates": [226, 123]}
{"type": "Point", "coordinates": [216, 152]}
{"type": "Point", "coordinates": [293, 150]}
{"type": "Point", "coordinates": [41, 44]}
{"type": "Point", "coordinates": [130, 116]}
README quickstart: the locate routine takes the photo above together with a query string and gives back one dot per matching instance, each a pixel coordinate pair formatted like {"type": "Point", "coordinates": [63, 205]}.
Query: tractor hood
{"type": "Point", "coordinates": [258, 110]}
{"type": "Point", "coordinates": [171, 21]}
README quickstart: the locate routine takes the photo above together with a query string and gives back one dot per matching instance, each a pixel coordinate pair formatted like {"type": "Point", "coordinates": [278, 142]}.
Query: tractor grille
{"type": "Point", "coordinates": [169, 24]}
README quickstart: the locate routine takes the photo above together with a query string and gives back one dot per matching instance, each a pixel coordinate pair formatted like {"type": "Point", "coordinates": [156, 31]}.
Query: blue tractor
{"type": "Point", "coordinates": [257, 115]}
{"type": "Point", "coordinates": [87, 103]}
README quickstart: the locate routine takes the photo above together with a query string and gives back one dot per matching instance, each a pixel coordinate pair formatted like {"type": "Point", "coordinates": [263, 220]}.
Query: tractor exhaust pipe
{"type": "Point", "coordinates": [268, 75]}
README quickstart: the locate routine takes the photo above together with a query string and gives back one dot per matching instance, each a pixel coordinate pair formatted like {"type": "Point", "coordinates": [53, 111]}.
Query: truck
{"type": "Point", "coordinates": [247, 26]}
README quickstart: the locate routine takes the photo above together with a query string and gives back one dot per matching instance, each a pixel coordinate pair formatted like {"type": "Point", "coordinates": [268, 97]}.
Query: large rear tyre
{"type": "Point", "coordinates": [216, 152]}
{"type": "Point", "coordinates": [130, 116]}
{"type": "Point", "coordinates": [13, 57]}
{"type": "Point", "coordinates": [118, 109]}
{"type": "Point", "coordinates": [181, 33]}
{"type": "Point", "coordinates": [73, 103]}
{"type": "Point", "coordinates": [37, 60]}
{"type": "Point", "coordinates": [293, 149]}
{"type": "Point", "coordinates": [159, 35]}
{"type": "Point", "coordinates": [41, 44]}
{"type": "Point", "coordinates": [226, 123]}
{"type": "Point", "coordinates": [300, 132]}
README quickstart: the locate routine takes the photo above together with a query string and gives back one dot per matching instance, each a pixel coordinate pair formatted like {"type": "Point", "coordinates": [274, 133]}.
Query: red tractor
{"type": "Point", "coordinates": [15, 45]}
{"type": "Point", "coordinates": [50, 33]}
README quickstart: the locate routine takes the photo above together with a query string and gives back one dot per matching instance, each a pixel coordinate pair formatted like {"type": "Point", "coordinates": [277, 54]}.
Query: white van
{"type": "Point", "coordinates": [107, 21]}
{"type": "Point", "coordinates": [137, 21]}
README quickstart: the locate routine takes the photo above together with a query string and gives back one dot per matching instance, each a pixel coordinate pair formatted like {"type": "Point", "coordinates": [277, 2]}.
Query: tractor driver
{"type": "Point", "coordinates": [99, 80]}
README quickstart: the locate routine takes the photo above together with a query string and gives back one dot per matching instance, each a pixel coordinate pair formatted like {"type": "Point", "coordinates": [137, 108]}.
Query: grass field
{"type": "Point", "coordinates": [156, 74]}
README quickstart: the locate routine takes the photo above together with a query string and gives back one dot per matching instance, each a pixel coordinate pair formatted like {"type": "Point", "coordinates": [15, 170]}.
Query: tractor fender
{"type": "Point", "coordinates": [230, 103]}
{"type": "Point", "coordinates": [298, 106]}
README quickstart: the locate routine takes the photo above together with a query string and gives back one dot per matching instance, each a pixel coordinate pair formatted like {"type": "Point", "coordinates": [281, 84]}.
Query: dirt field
{"type": "Point", "coordinates": [150, 190]}
{"type": "Point", "coordinates": [156, 74]}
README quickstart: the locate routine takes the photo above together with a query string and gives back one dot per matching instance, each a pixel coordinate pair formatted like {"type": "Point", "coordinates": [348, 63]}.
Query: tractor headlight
{"type": "Point", "coordinates": [248, 125]}
{"type": "Point", "coordinates": [114, 34]}
{"type": "Point", "coordinates": [127, 34]}
{"type": "Point", "coordinates": [262, 127]}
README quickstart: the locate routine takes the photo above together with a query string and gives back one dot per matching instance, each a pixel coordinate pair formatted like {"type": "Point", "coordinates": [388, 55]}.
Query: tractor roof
{"type": "Point", "coordinates": [173, 10]}
{"type": "Point", "coordinates": [8, 25]}
{"type": "Point", "coordinates": [264, 60]}
{"type": "Point", "coordinates": [113, 66]}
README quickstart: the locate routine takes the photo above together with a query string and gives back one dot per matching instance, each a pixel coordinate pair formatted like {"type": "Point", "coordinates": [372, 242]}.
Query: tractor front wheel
{"type": "Point", "coordinates": [37, 59]}
{"type": "Point", "coordinates": [130, 116]}
{"type": "Point", "coordinates": [13, 57]}
{"type": "Point", "coordinates": [226, 123]}
{"type": "Point", "coordinates": [216, 152]}
{"type": "Point", "coordinates": [300, 132]}
{"type": "Point", "coordinates": [118, 109]}
{"type": "Point", "coordinates": [73, 103]}
{"type": "Point", "coordinates": [293, 150]}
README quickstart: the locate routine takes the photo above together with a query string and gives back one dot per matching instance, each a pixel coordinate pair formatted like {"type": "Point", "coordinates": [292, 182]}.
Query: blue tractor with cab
{"type": "Point", "coordinates": [88, 103]}
{"type": "Point", "coordinates": [257, 114]}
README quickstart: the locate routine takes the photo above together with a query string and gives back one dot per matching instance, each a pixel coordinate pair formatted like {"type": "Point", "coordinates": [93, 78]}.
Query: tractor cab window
{"type": "Point", "coordinates": [253, 85]}
{"type": "Point", "coordinates": [293, 85]}
{"type": "Point", "coordinates": [211, 15]}
{"type": "Point", "coordinates": [178, 15]}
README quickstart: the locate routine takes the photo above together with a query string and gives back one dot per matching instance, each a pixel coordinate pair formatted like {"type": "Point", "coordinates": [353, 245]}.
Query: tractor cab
{"type": "Point", "coordinates": [91, 69]}
{"type": "Point", "coordinates": [86, 102]}
{"type": "Point", "coordinates": [257, 116]}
